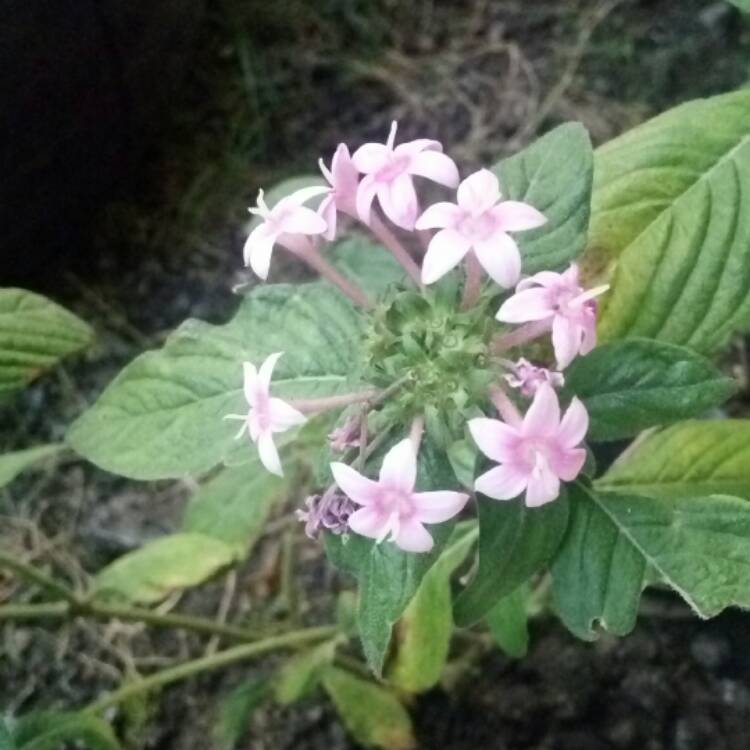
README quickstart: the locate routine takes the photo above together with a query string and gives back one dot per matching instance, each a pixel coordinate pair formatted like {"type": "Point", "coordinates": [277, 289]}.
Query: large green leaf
{"type": "Point", "coordinates": [234, 505]}
{"type": "Point", "coordinates": [700, 458]}
{"type": "Point", "coordinates": [389, 577]}
{"type": "Point", "coordinates": [514, 543]}
{"type": "Point", "coordinates": [554, 175]}
{"type": "Point", "coordinates": [671, 211]}
{"type": "Point", "coordinates": [367, 262]}
{"type": "Point", "coordinates": [50, 730]}
{"type": "Point", "coordinates": [162, 415]}
{"type": "Point", "coordinates": [35, 334]}
{"type": "Point", "coordinates": [235, 711]}
{"type": "Point", "coordinates": [6, 740]}
{"type": "Point", "coordinates": [633, 384]}
{"type": "Point", "coordinates": [372, 714]}
{"type": "Point", "coordinates": [699, 546]}
{"type": "Point", "coordinates": [424, 632]}
{"type": "Point", "coordinates": [508, 622]}
{"type": "Point", "coordinates": [12, 464]}
{"type": "Point", "coordinates": [301, 674]}
{"type": "Point", "coordinates": [743, 5]}
{"type": "Point", "coordinates": [160, 567]}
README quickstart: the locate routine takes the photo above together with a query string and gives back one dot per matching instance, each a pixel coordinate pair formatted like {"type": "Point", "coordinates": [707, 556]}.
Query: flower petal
{"type": "Point", "coordinates": [543, 486]}
{"type": "Point", "coordinates": [398, 199]}
{"type": "Point", "coordinates": [439, 216]}
{"type": "Point", "coordinates": [365, 195]}
{"type": "Point", "coordinates": [327, 211]}
{"type": "Point", "coordinates": [479, 192]}
{"type": "Point", "coordinates": [567, 464]}
{"type": "Point", "coordinates": [574, 424]}
{"type": "Point", "coordinates": [303, 220]}
{"type": "Point", "coordinates": [359, 488]}
{"type": "Point", "coordinates": [258, 248]}
{"type": "Point", "coordinates": [298, 197]}
{"type": "Point", "coordinates": [269, 456]}
{"type": "Point", "coordinates": [566, 340]}
{"type": "Point", "coordinates": [283, 415]}
{"type": "Point", "coordinates": [495, 439]}
{"type": "Point", "coordinates": [265, 373]}
{"type": "Point", "coordinates": [370, 157]}
{"type": "Point", "coordinates": [412, 148]}
{"type": "Point", "coordinates": [413, 537]}
{"type": "Point", "coordinates": [399, 468]}
{"type": "Point", "coordinates": [250, 384]}
{"type": "Point", "coordinates": [525, 306]}
{"type": "Point", "coordinates": [435, 166]}
{"type": "Point", "coordinates": [543, 417]}
{"type": "Point", "coordinates": [548, 279]}
{"type": "Point", "coordinates": [445, 251]}
{"type": "Point", "coordinates": [435, 507]}
{"type": "Point", "coordinates": [500, 258]}
{"type": "Point", "coordinates": [368, 522]}
{"type": "Point", "coordinates": [514, 216]}
{"type": "Point", "coordinates": [502, 482]}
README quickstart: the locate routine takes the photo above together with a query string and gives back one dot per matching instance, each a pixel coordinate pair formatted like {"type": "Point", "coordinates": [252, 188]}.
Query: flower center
{"type": "Point", "coordinates": [397, 501]}
{"type": "Point", "coordinates": [535, 451]}
{"type": "Point", "coordinates": [477, 228]}
{"type": "Point", "coordinates": [396, 166]}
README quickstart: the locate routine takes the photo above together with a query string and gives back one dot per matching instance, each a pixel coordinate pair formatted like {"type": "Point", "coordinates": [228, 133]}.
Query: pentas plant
{"type": "Point", "coordinates": [495, 399]}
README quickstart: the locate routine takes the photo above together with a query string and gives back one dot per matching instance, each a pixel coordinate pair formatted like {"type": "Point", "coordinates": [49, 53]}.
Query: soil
{"type": "Point", "coordinates": [485, 77]}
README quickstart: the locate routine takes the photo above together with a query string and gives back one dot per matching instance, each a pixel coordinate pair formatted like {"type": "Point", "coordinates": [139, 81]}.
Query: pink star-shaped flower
{"type": "Point", "coordinates": [388, 174]}
{"type": "Point", "coordinates": [343, 178]}
{"type": "Point", "coordinates": [266, 415]}
{"type": "Point", "coordinates": [480, 223]}
{"type": "Point", "coordinates": [535, 453]}
{"type": "Point", "coordinates": [559, 299]}
{"type": "Point", "coordinates": [390, 506]}
{"type": "Point", "coordinates": [287, 217]}
{"type": "Point", "coordinates": [527, 377]}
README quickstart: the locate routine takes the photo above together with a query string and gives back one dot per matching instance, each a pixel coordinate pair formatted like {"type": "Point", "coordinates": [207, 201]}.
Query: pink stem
{"type": "Point", "coordinates": [473, 285]}
{"type": "Point", "coordinates": [313, 257]}
{"type": "Point", "coordinates": [314, 405]}
{"type": "Point", "coordinates": [399, 252]}
{"type": "Point", "coordinates": [415, 434]}
{"type": "Point", "coordinates": [521, 335]}
{"type": "Point", "coordinates": [505, 407]}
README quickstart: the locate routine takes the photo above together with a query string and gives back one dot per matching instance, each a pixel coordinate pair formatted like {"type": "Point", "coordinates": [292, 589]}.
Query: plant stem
{"type": "Point", "coordinates": [206, 663]}
{"type": "Point", "coordinates": [520, 335]}
{"type": "Point", "coordinates": [333, 402]}
{"type": "Point", "coordinates": [32, 574]}
{"type": "Point", "coordinates": [415, 433]}
{"type": "Point", "coordinates": [473, 285]}
{"type": "Point", "coordinates": [399, 252]}
{"type": "Point", "coordinates": [23, 612]}
{"type": "Point", "coordinates": [505, 406]}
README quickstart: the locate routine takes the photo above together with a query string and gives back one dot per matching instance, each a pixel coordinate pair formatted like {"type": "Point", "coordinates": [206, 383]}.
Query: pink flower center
{"type": "Point", "coordinates": [395, 167]}
{"type": "Point", "coordinates": [477, 228]}
{"type": "Point", "coordinates": [397, 501]}
{"type": "Point", "coordinates": [533, 450]}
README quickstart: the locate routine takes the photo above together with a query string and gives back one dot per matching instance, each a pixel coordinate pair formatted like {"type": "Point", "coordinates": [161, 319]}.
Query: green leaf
{"type": "Point", "coordinates": [389, 577]}
{"type": "Point", "coordinates": [699, 546]}
{"type": "Point", "coordinates": [671, 208]}
{"type": "Point", "coordinates": [236, 709]}
{"type": "Point", "coordinates": [633, 384]}
{"type": "Point", "coordinates": [743, 5]}
{"type": "Point", "coordinates": [366, 262]}
{"type": "Point", "coordinates": [301, 674]}
{"type": "Point", "coordinates": [514, 543]}
{"type": "Point", "coordinates": [508, 623]}
{"type": "Point", "coordinates": [160, 567]}
{"type": "Point", "coordinates": [424, 632]}
{"type": "Point", "coordinates": [554, 175]}
{"type": "Point", "coordinates": [35, 334]}
{"type": "Point", "coordinates": [53, 730]}
{"type": "Point", "coordinates": [12, 464]}
{"type": "Point", "coordinates": [371, 714]}
{"type": "Point", "coordinates": [698, 458]}
{"type": "Point", "coordinates": [6, 740]}
{"type": "Point", "coordinates": [234, 505]}
{"type": "Point", "coordinates": [162, 417]}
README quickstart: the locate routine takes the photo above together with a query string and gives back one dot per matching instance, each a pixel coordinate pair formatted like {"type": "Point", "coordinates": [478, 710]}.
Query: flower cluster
{"type": "Point", "coordinates": [534, 451]}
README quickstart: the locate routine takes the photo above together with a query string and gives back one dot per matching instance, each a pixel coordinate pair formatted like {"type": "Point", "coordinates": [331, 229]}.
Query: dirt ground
{"type": "Point", "coordinates": [484, 77]}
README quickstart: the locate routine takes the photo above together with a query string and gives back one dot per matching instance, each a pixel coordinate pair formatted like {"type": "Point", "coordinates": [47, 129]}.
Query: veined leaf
{"type": "Point", "coordinates": [372, 714]}
{"type": "Point", "coordinates": [160, 567]}
{"type": "Point", "coordinates": [366, 262]}
{"type": "Point", "coordinates": [234, 505]}
{"type": "Point", "coordinates": [699, 546]}
{"type": "Point", "coordinates": [553, 174]}
{"type": "Point", "coordinates": [514, 543]}
{"type": "Point", "coordinates": [700, 458]}
{"type": "Point", "coordinates": [423, 633]}
{"type": "Point", "coordinates": [508, 622]}
{"type": "Point", "coordinates": [633, 384]}
{"type": "Point", "coordinates": [12, 464]}
{"type": "Point", "coordinates": [162, 416]}
{"type": "Point", "coordinates": [50, 730]}
{"type": "Point", "coordinates": [236, 710]}
{"type": "Point", "coordinates": [302, 672]}
{"type": "Point", "coordinates": [671, 212]}
{"type": "Point", "coordinates": [35, 334]}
